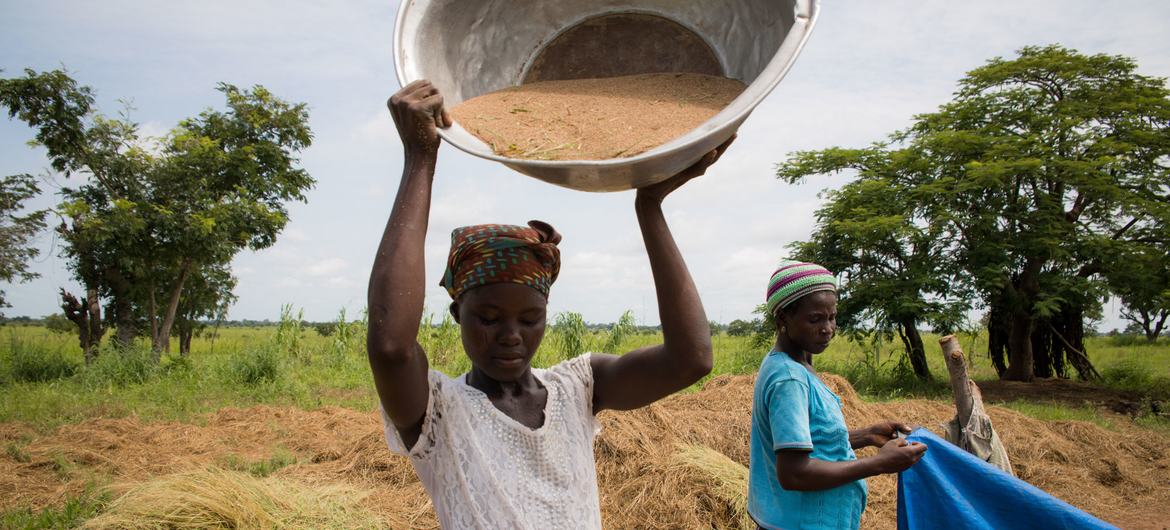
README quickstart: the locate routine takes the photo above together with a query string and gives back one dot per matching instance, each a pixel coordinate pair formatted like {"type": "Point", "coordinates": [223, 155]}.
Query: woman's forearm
{"type": "Point", "coordinates": [685, 329]}
{"type": "Point", "coordinates": [397, 282]}
{"type": "Point", "coordinates": [812, 474]}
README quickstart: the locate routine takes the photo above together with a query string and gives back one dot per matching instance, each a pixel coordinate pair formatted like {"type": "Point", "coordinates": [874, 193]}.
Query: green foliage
{"type": "Point", "coordinates": [16, 230]}
{"type": "Point", "coordinates": [443, 344]}
{"type": "Point", "coordinates": [263, 364]}
{"type": "Point", "coordinates": [349, 338]}
{"type": "Point", "coordinates": [57, 323]}
{"type": "Point", "coordinates": [622, 329]}
{"type": "Point", "coordinates": [71, 514]}
{"type": "Point", "coordinates": [31, 361]}
{"type": "Point", "coordinates": [121, 367]}
{"type": "Point", "coordinates": [290, 333]}
{"type": "Point", "coordinates": [17, 452]}
{"type": "Point", "coordinates": [159, 219]}
{"type": "Point", "coordinates": [280, 458]}
{"type": "Point", "coordinates": [570, 335]}
{"type": "Point", "coordinates": [1015, 195]}
{"type": "Point", "coordinates": [325, 329]}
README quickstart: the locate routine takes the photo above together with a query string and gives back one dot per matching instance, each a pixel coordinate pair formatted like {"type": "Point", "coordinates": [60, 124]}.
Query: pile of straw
{"type": "Point", "coordinates": [679, 463]}
{"type": "Point", "coordinates": [217, 498]}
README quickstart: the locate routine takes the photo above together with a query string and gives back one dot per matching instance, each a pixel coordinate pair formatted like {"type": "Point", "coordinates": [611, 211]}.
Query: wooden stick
{"type": "Point", "coordinates": [965, 391]}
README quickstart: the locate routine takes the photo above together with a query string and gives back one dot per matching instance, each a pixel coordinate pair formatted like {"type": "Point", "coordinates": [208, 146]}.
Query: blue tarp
{"type": "Point", "coordinates": [952, 489]}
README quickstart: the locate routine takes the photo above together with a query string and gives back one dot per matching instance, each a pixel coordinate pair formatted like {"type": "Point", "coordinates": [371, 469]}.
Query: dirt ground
{"type": "Point", "coordinates": [1121, 476]}
{"type": "Point", "coordinates": [1068, 392]}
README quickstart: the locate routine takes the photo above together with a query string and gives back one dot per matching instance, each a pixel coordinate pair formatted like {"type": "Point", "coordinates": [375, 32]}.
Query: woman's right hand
{"type": "Point", "coordinates": [418, 111]}
{"type": "Point", "coordinates": [898, 455]}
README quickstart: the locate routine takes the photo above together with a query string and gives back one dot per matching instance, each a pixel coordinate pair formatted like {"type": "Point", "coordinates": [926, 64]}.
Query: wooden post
{"type": "Point", "coordinates": [971, 429]}
{"type": "Point", "coordinates": [966, 392]}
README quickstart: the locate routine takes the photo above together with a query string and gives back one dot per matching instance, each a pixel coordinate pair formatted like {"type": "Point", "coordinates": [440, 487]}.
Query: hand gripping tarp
{"type": "Point", "coordinates": [949, 488]}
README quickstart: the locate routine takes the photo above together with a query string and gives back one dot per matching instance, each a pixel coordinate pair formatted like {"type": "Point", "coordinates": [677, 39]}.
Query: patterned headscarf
{"type": "Point", "coordinates": [793, 279]}
{"type": "Point", "coordinates": [484, 254]}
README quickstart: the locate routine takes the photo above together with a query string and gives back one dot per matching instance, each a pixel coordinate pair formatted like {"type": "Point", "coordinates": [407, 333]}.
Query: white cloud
{"type": "Point", "coordinates": [327, 267]}
{"type": "Point", "coordinates": [867, 69]}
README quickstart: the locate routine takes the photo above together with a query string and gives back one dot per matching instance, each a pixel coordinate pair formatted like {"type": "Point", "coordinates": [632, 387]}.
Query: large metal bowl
{"type": "Point", "coordinates": [472, 47]}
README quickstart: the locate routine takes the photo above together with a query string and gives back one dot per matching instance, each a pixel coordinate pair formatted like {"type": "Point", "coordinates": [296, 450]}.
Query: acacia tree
{"type": "Point", "coordinates": [1038, 166]}
{"type": "Point", "coordinates": [147, 217]}
{"type": "Point", "coordinates": [1140, 277]}
{"type": "Point", "coordinates": [17, 229]}
{"type": "Point", "coordinates": [892, 260]}
{"type": "Point", "coordinates": [207, 295]}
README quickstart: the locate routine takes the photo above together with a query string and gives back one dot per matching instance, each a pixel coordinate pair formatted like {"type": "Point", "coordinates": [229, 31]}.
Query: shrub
{"type": "Point", "coordinates": [624, 327]}
{"type": "Point", "coordinates": [571, 335]}
{"type": "Point", "coordinates": [255, 366]}
{"type": "Point", "coordinates": [31, 362]}
{"type": "Point", "coordinates": [132, 365]}
{"type": "Point", "coordinates": [57, 323]}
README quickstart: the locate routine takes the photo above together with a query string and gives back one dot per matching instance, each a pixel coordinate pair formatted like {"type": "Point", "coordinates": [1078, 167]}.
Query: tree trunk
{"type": "Point", "coordinates": [1152, 334]}
{"type": "Point", "coordinates": [1071, 336]}
{"type": "Point", "coordinates": [97, 328]}
{"type": "Point", "coordinates": [908, 328]}
{"type": "Point", "coordinates": [76, 312]}
{"type": "Point", "coordinates": [997, 338]}
{"type": "Point", "coordinates": [152, 308]}
{"type": "Point", "coordinates": [163, 342]}
{"type": "Point", "coordinates": [186, 331]}
{"type": "Point", "coordinates": [123, 308]}
{"type": "Point", "coordinates": [1019, 348]}
{"type": "Point", "coordinates": [1043, 353]}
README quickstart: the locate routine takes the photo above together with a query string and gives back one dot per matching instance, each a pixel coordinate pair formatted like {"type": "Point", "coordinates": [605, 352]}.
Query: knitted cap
{"type": "Point", "coordinates": [793, 279]}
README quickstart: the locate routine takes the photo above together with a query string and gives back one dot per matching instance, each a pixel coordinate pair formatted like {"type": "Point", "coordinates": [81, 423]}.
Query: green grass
{"type": "Point", "coordinates": [1055, 412]}
{"type": "Point", "coordinates": [292, 365]}
{"type": "Point", "coordinates": [280, 458]}
{"type": "Point", "coordinates": [70, 514]}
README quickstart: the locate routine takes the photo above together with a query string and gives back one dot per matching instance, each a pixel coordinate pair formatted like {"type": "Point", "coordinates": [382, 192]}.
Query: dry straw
{"type": "Point", "coordinates": [218, 498]}
{"type": "Point", "coordinates": [645, 481]}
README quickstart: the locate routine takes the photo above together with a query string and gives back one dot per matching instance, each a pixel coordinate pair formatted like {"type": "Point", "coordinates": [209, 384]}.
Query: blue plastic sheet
{"type": "Point", "coordinates": [952, 489]}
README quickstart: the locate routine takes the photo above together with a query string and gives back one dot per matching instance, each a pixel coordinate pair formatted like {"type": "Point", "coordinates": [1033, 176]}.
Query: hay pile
{"type": "Point", "coordinates": [218, 498]}
{"type": "Point", "coordinates": [670, 465]}
{"type": "Point", "coordinates": [594, 119]}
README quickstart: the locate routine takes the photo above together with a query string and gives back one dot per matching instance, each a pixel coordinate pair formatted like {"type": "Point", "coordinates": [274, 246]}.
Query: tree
{"type": "Point", "coordinates": [1141, 278]}
{"type": "Point", "coordinates": [893, 262]}
{"type": "Point", "coordinates": [207, 295]}
{"type": "Point", "coordinates": [153, 213]}
{"type": "Point", "coordinates": [740, 328]}
{"type": "Point", "coordinates": [17, 230]}
{"type": "Point", "coordinates": [1038, 168]}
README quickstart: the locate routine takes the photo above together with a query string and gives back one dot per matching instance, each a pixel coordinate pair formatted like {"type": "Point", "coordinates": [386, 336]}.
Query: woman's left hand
{"type": "Point", "coordinates": [879, 434]}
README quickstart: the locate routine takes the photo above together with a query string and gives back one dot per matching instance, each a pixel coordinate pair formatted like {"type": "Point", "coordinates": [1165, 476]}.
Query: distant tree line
{"type": "Point", "coordinates": [1040, 190]}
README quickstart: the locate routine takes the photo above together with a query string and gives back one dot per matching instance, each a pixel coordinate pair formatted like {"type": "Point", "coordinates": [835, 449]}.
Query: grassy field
{"type": "Point", "coordinates": [44, 383]}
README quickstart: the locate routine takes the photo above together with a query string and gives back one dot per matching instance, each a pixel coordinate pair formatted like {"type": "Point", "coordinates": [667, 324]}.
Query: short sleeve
{"type": "Point", "coordinates": [788, 415]}
{"type": "Point", "coordinates": [578, 372]}
{"type": "Point", "coordinates": [426, 438]}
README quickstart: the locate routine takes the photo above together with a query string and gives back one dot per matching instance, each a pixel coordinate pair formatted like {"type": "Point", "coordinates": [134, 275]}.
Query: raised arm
{"type": "Point", "coordinates": [644, 376]}
{"type": "Point", "coordinates": [397, 279]}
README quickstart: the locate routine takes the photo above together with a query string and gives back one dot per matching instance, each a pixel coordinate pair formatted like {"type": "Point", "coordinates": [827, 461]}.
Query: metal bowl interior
{"type": "Point", "coordinates": [472, 47]}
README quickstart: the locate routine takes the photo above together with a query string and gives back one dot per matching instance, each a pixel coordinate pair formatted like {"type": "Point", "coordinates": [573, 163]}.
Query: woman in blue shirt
{"type": "Point", "coordinates": [804, 474]}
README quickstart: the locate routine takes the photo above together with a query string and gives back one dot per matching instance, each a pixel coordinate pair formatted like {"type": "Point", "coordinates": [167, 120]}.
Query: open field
{"type": "Point", "coordinates": [285, 407]}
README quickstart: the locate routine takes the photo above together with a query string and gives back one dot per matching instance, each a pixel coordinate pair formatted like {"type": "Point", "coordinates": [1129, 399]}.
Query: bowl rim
{"type": "Point", "coordinates": [805, 17]}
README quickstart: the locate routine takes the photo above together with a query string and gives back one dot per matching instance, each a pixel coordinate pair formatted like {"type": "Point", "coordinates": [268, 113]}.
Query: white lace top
{"type": "Point", "coordinates": [483, 469]}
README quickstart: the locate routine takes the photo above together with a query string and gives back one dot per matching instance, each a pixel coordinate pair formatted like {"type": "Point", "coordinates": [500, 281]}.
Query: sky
{"type": "Point", "coordinates": [867, 69]}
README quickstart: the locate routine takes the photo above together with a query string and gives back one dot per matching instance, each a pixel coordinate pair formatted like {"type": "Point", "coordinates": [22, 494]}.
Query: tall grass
{"type": "Point", "coordinates": [44, 381]}
{"type": "Point", "coordinates": [34, 361]}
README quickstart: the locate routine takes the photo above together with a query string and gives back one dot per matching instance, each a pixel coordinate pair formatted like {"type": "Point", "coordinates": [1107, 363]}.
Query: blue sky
{"type": "Point", "coordinates": [867, 69]}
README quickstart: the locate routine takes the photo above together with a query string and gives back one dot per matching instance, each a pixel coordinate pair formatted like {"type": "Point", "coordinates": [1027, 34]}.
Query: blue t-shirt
{"type": "Point", "coordinates": [793, 409]}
